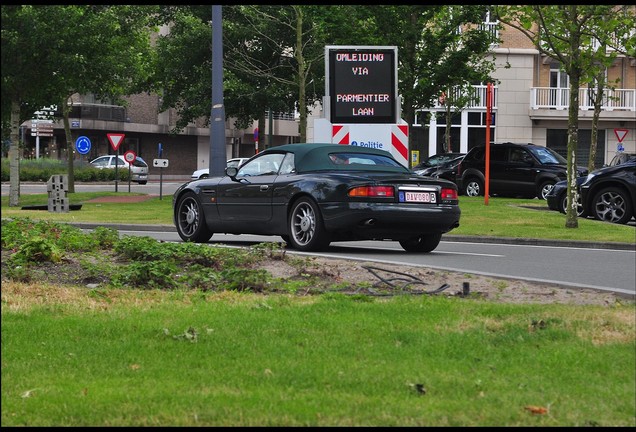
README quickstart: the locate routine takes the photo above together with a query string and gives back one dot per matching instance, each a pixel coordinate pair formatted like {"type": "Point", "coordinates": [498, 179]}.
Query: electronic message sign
{"type": "Point", "coordinates": [362, 84]}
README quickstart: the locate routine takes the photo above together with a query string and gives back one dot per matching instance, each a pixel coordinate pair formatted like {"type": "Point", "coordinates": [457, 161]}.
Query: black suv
{"type": "Point", "coordinates": [526, 170]}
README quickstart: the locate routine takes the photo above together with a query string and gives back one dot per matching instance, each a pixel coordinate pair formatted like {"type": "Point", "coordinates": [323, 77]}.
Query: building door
{"type": "Point", "coordinates": [559, 87]}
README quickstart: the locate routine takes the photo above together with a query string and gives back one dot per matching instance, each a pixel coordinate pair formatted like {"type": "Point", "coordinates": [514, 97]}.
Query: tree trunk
{"type": "Point", "coordinates": [571, 220]}
{"type": "Point", "coordinates": [14, 156]}
{"type": "Point", "coordinates": [598, 101]}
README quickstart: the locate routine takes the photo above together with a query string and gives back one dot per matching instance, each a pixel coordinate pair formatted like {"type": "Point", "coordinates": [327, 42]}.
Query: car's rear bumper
{"type": "Point", "coordinates": [390, 220]}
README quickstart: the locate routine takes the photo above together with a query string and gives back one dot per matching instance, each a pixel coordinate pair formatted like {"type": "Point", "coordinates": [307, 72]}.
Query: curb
{"type": "Point", "coordinates": [500, 240]}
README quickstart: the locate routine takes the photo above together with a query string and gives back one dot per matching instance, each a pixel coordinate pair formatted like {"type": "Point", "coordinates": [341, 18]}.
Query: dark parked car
{"type": "Point", "coordinates": [447, 170]}
{"type": "Point", "coordinates": [621, 157]}
{"type": "Point", "coordinates": [609, 193]}
{"type": "Point", "coordinates": [557, 198]}
{"type": "Point", "coordinates": [430, 164]}
{"type": "Point", "coordinates": [526, 170]}
{"type": "Point", "coordinates": [314, 194]}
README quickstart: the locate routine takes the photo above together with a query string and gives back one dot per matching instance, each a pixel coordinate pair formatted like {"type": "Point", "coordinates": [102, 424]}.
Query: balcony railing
{"type": "Point", "coordinates": [559, 99]}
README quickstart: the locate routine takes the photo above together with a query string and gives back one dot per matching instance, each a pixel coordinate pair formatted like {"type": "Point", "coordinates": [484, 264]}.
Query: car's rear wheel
{"type": "Point", "coordinates": [190, 219]}
{"type": "Point", "coordinates": [612, 205]}
{"type": "Point", "coordinates": [473, 187]}
{"type": "Point", "coordinates": [422, 243]}
{"type": "Point", "coordinates": [545, 188]}
{"type": "Point", "coordinates": [306, 228]}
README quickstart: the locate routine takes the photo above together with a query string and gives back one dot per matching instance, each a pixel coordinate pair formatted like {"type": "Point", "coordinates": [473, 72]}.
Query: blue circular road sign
{"type": "Point", "coordinates": [83, 145]}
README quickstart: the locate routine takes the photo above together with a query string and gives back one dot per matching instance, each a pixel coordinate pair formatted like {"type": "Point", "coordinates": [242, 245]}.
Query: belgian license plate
{"type": "Point", "coordinates": [423, 197]}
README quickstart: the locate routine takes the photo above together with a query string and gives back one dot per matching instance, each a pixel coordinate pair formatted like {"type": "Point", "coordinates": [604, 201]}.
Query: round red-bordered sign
{"type": "Point", "coordinates": [130, 156]}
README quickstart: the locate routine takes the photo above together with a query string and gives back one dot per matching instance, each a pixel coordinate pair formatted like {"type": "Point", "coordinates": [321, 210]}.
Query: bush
{"type": "Point", "coordinates": [41, 170]}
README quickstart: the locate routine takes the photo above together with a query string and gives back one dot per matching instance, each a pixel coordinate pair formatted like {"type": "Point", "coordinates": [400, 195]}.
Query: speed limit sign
{"type": "Point", "coordinates": [130, 156]}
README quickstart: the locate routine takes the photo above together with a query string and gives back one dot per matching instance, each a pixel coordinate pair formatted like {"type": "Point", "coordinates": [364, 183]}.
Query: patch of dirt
{"type": "Point", "coordinates": [382, 279]}
{"type": "Point", "coordinates": [318, 274]}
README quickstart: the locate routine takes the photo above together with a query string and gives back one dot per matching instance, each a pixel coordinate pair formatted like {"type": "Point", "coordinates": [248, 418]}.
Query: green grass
{"type": "Point", "coordinates": [502, 217]}
{"type": "Point", "coordinates": [149, 358]}
{"type": "Point", "coordinates": [77, 356]}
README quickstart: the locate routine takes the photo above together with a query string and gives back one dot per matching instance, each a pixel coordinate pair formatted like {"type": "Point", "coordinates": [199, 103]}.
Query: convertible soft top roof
{"type": "Point", "coordinates": [315, 156]}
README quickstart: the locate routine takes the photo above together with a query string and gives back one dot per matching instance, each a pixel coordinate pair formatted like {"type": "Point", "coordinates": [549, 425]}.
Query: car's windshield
{"type": "Point", "coordinates": [547, 156]}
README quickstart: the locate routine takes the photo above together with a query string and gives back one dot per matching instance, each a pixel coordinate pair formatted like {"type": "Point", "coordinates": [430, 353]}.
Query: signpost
{"type": "Point", "coordinates": [40, 128]}
{"type": "Point", "coordinates": [115, 141]}
{"type": "Point", "coordinates": [161, 164]}
{"type": "Point", "coordinates": [130, 157]}
{"type": "Point", "coordinates": [620, 136]}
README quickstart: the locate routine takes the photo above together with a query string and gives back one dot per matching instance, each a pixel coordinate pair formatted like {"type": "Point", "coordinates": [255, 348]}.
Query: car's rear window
{"type": "Point", "coordinates": [362, 159]}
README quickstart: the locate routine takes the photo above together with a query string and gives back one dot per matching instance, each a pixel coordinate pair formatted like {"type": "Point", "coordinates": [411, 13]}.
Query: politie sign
{"type": "Point", "coordinates": [361, 82]}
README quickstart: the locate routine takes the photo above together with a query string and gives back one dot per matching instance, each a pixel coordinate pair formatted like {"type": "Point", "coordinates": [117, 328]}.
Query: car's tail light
{"type": "Point", "coordinates": [448, 194]}
{"type": "Point", "coordinates": [372, 191]}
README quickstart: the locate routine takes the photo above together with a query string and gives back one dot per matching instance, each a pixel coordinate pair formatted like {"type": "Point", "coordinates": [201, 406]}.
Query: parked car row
{"type": "Point", "coordinates": [527, 170]}
{"type": "Point", "coordinates": [607, 194]}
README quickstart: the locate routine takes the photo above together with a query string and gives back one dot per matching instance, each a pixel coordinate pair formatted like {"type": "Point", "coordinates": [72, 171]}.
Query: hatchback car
{"type": "Point", "coordinates": [205, 172]}
{"type": "Point", "coordinates": [138, 169]}
{"type": "Point", "coordinates": [525, 170]}
{"type": "Point", "coordinates": [314, 194]}
{"type": "Point", "coordinates": [609, 194]}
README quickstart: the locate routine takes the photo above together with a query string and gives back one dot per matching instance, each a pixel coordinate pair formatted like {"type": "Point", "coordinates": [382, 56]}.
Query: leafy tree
{"type": "Point", "coordinates": [103, 50]}
{"type": "Point", "coordinates": [570, 33]}
{"type": "Point", "coordinates": [434, 56]}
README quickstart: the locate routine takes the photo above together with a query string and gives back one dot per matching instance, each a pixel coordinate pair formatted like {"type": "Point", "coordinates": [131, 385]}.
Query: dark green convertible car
{"type": "Point", "coordinates": [314, 194]}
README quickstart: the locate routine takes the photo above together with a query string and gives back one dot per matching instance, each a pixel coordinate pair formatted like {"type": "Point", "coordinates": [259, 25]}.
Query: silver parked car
{"type": "Point", "coordinates": [138, 169]}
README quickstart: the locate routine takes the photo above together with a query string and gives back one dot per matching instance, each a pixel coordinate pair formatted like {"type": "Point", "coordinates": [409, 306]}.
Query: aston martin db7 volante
{"type": "Point", "coordinates": [313, 194]}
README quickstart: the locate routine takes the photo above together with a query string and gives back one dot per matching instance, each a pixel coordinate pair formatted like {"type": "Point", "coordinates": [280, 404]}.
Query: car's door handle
{"type": "Point", "coordinates": [264, 187]}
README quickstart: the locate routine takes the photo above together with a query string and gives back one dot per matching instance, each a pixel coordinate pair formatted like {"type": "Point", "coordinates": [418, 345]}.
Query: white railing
{"type": "Point", "coordinates": [477, 100]}
{"type": "Point", "coordinates": [559, 99]}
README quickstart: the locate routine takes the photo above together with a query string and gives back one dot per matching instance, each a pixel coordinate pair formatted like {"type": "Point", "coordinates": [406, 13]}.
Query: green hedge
{"type": "Point", "coordinates": [41, 170]}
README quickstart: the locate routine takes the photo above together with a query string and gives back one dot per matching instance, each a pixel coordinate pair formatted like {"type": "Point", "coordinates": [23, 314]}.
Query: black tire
{"type": "Point", "coordinates": [142, 182]}
{"type": "Point", "coordinates": [203, 176]}
{"type": "Point", "coordinates": [563, 205]}
{"type": "Point", "coordinates": [306, 228]}
{"type": "Point", "coordinates": [190, 219]}
{"type": "Point", "coordinates": [423, 243]}
{"type": "Point", "coordinates": [613, 205]}
{"type": "Point", "coordinates": [473, 187]}
{"type": "Point", "coordinates": [545, 188]}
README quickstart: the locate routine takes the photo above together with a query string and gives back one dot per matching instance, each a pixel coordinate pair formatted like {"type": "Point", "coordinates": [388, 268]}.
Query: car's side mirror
{"type": "Point", "coordinates": [231, 172]}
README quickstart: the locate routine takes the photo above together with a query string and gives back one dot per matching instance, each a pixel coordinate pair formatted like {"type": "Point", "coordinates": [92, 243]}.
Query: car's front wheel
{"type": "Point", "coordinates": [545, 188]}
{"type": "Point", "coordinates": [612, 205]}
{"type": "Point", "coordinates": [473, 187]}
{"type": "Point", "coordinates": [422, 243]}
{"type": "Point", "coordinates": [190, 219]}
{"type": "Point", "coordinates": [306, 228]}
{"type": "Point", "coordinates": [563, 207]}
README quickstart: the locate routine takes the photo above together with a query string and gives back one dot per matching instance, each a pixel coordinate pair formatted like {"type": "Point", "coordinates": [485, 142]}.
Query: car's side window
{"type": "Point", "coordinates": [287, 166]}
{"type": "Point", "coordinates": [264, 165]}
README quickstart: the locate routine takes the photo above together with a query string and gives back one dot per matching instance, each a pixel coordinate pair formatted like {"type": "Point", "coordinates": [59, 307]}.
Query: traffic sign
{"type": "Point", "coordinates": [115, 140]}
{"type": "Point", "coordinates": [83, 145]}
{"type": "Point", "coordinates": [620, 134]}
{"type": "Point", "coordinates": [160, 163]}
{"type": "Point", "coordinates": [130, 156]}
